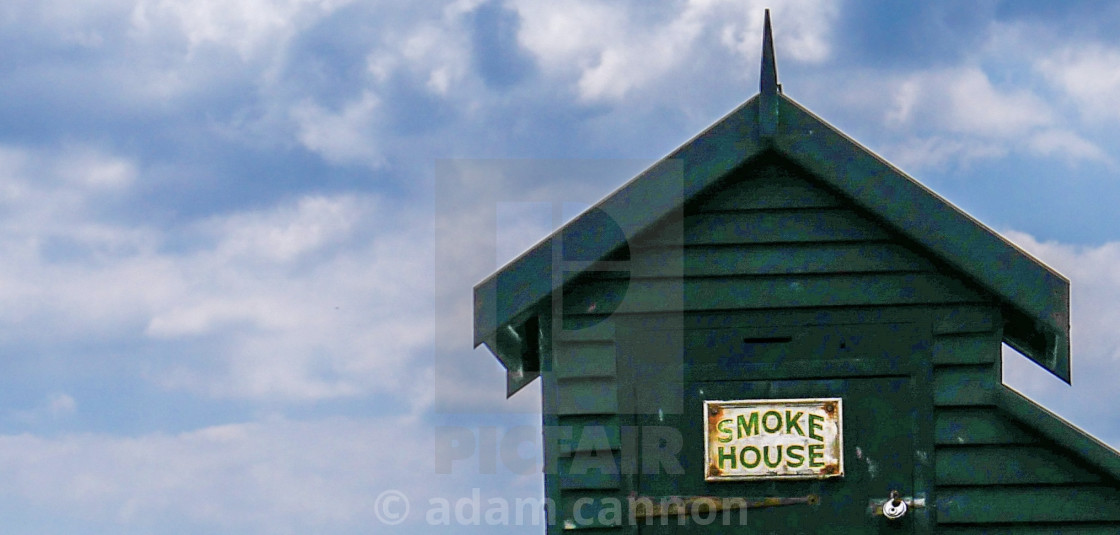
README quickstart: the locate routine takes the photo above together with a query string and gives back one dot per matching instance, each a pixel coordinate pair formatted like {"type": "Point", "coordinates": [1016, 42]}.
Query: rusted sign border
{"type": "Point", "coordinates": [743, 403]}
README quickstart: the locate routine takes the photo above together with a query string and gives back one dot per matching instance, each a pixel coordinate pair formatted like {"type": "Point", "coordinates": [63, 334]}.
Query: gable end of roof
{"type": "Point", "coordinates": [1035, 298]}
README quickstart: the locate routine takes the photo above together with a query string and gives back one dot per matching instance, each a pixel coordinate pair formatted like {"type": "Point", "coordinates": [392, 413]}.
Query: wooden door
{"type": "Point", "coordinates": [879, 377]}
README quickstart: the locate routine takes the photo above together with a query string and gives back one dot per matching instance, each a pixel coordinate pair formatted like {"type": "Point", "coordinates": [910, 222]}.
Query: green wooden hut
{"type": "Point", "coordinates": [771, 257]}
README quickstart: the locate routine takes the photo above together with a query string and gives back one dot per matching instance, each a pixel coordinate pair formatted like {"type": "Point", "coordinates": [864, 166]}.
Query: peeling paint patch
{"type": "Point", "coordinates": [872, 468]}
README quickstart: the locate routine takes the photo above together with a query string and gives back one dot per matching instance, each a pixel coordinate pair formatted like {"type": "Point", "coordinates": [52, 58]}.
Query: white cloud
{"type": "Point", "coordinates": [318, 297]}
{"type": "Point", "coordinates": [57, 259]}
{"type": "Point", "coordinates": [82, 23]}
{"type": "Point", "coordinates": [936, 152]}
{"type": "Point", "coordinates": [975, 106]}
{"type": "Point", "coordinates": [289, 231]}
{"type": "Point", "coordinates": [343, 137]}
{"type": "Point", "coordinates": [62, 181]}
{"type": "Point", "coordinates": [958, 115]}
{"type": "Point", "coordinates": [57, 406]}
{"type": "Point", "coordinates": [1068, 144]}
{"type": "Point", "coordinates": [272, 476]}
{"type": "Point", "coordinates": [94, 169]}
{"type": "Point", "coordinates": [307, 302]}
{"type": "Point", "coordinates": [802, 28]}
{"type": "Point", "coordinates": [151, 55]}
{"type": "Point", "coordinates": [438, 53]}
{"type": "Point", "coordinates": [992, 102]}
{"type": "Point", "coordinates": [435, 55]}
{"type": "Point", "coordinates": [1090, 74]}
{"type": "Point", "coordinates": [247, 26]}
{"type": "Point", "coordinates": [60, 404]}
{"type": "Point", "coordinates": [964, 100]}
{"type": "Point", "coordinates": [610, 49]}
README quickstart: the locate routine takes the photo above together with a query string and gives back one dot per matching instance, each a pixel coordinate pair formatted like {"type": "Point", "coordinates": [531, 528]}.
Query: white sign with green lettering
{"type": "Point", "coordinates": [773, 439]}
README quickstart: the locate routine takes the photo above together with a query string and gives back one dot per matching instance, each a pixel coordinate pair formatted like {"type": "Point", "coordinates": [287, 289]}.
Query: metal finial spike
{"type": "Point", "coordinates": [768, 85]}
{"type": "Point", "coordinates": [769, 80]}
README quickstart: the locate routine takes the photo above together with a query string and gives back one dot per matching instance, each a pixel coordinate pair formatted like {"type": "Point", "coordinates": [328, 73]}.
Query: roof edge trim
{"type": "Point", "coordinates": [1057, 429]}
{"type": "Point", "coordinates": [1037, 292]}
{"type": "Point", "coordinates": [511, 292]}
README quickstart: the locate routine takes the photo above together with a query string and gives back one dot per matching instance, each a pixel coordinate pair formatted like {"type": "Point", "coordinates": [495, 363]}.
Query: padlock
{"type": "Point", "coordinates": [894, 508]}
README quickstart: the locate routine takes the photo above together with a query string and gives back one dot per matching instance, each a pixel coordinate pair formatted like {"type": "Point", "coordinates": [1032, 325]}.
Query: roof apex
{"type": "Point", "coordinates": [1034, 297]}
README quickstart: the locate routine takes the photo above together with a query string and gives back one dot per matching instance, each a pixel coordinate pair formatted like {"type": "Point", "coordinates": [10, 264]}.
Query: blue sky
{"type": "Point", "coordinates": [238, 237]}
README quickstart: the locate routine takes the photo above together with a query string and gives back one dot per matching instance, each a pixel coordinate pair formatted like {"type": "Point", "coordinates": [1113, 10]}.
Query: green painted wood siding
{"type": "Point", "coordinates": [994, 475]}
{"type": "Point", "coordinates": [581, 393]}
{"type": "Point", "coordinates": [769, 238]}
{"type": "Point", "coordinates": [771, 242]}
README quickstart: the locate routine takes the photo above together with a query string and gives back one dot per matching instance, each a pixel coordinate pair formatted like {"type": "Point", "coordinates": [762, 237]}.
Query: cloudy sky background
{"type": "Point", "coordinates": [238, 237]}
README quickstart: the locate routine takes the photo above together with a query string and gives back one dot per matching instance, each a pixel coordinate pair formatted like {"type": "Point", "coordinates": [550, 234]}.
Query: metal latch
{"type": "Point", "coordinates": [895, 506]}
{"type": "Point", "coordinates": [647, 506]}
